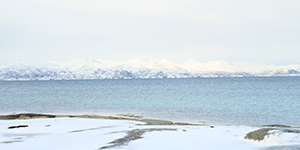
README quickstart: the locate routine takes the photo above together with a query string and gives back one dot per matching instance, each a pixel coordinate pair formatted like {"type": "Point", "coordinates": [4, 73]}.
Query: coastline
{"type": "Point", "coordinates": [127, 131]}
{"type": "Point", "coordinates": [147, 121]}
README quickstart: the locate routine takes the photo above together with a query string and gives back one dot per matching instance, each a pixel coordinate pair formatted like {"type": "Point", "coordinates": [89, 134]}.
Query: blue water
{"type": "Point", "coordinates": [241, 101]}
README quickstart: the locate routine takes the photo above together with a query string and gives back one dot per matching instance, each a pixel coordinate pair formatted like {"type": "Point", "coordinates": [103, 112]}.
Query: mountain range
{"type": "Point", "coordinates": [139, 68]}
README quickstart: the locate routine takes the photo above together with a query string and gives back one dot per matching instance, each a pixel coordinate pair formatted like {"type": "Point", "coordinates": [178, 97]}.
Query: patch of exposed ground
{"type": "Point", "coordinates": [9, 142]}
{"type": "Point", "coordinates": [132, 136]}
{"type": "Point", "coordinates": [128, 117]}
{"type": "Point", "coordinates": [277, 125]}
{"type": "Point", "coordinates": [260, 134]}
{"type": "Point", "coordinates": [156, 122]}
{"type": "Point", "coordinates": [25, 116]}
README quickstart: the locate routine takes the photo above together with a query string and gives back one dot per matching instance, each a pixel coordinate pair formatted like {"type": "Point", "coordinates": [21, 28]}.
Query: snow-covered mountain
{"type": "Point", "coordinates": [139, 68]}
{"type": "Point", "coordinates": [85, 64]}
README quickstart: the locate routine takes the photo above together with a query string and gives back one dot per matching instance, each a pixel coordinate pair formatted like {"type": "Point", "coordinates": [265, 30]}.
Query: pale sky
{"type": "Point", "coordinates": [264, 31]}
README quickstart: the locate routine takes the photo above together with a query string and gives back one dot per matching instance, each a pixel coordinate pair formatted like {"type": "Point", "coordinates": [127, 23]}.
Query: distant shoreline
{"type": "Point", "coordinates": [140, 68]}
{"type": "Point", "coordinates": [209, 77]}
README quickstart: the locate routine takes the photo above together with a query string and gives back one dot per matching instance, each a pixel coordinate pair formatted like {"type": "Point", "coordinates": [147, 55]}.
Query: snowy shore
{"type": "Point", "coordinates": [91, 133]}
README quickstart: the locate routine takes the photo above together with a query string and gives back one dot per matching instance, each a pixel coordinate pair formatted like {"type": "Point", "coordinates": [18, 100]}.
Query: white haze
{"type": "Point", "coordinates": [251, 30]}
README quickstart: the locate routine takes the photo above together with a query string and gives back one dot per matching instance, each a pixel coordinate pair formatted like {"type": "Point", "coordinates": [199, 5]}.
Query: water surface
{"type": "Point", "coordinates": [242, 101]}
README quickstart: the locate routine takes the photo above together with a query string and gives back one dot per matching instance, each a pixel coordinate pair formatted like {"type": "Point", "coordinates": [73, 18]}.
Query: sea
{"type": "Point", "coordinates": [224, 101]}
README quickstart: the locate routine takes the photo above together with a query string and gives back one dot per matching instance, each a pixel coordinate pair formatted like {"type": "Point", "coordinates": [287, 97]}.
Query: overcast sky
{"type": "Point", "coordinates": [265, 31]}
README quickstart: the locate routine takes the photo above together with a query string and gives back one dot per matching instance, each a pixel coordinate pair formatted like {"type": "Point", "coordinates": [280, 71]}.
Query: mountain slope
{"type": "Point", "coordinates": [139, 68]}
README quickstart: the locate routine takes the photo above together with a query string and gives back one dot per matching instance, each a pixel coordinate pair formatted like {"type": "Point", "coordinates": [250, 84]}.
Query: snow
{"type": "Point", "coordinates": [212, 66]}
{"type": "Point", "coordinates": [139, 68]}
{"type": "Point", "coordinates": [85, 64]}
{"type": "Point", "coordinates": [262, 69]}
{"type": "Point", "coordinates": [59, 134]}
{"type": "Point", "coordinates": [167, 64]}
{"type": "Point", "coordinates": [140, 62]}
{"type": "Point", "coordinates": [85, 134]}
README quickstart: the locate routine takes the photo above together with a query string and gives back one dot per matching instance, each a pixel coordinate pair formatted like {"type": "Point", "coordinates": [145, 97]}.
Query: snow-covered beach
{"type": "Point", "coordinates": [132, 133]}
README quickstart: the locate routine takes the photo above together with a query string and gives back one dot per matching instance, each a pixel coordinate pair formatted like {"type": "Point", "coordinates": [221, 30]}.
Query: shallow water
{"type": "Point", "coordinates": [242, 101]}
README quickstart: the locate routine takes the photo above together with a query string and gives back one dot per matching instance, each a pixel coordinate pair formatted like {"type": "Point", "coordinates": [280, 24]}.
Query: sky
{"type": "Point", "coordinates": [264, 31]}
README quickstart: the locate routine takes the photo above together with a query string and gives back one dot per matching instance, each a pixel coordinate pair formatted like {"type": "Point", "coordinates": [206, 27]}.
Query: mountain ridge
{"type": "Point", "coordinates": [139, 68]}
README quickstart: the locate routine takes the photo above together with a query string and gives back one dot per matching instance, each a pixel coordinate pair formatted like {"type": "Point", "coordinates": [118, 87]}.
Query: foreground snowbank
{"type": "Point", "coordinates": [91, 134]}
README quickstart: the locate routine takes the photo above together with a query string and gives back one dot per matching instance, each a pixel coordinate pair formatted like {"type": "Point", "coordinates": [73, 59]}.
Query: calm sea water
{"type": "Point", "coordinates": [240, 101]}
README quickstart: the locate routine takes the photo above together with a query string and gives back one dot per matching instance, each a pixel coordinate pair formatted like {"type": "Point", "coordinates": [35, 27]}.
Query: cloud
{"type": "Point", "coordinates": [119, 30]}
{"type": "Point", "coordinates": [137, 7]}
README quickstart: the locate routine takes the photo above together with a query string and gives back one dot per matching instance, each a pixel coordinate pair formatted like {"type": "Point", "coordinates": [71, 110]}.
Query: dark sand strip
{"type": "Point", "coordinates": [147, 121]}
